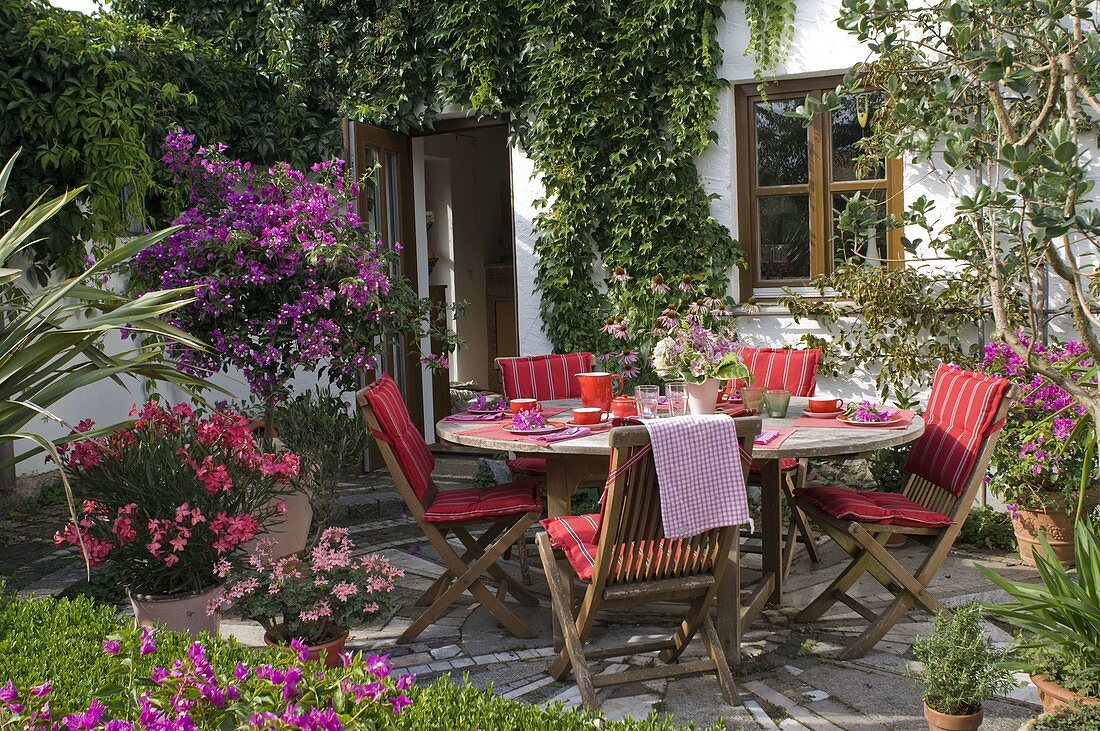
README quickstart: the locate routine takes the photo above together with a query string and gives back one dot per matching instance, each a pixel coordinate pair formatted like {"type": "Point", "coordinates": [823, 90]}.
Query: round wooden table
{"type": "Point", "coordinates": [577, 461]}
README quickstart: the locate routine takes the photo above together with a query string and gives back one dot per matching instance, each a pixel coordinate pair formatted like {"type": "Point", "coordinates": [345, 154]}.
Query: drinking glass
{"type": "Point", "coordinates": [676, 393]}
{"type": "Point", "coordinates": [752, 397]}
{"type": "Point", "coordinates": [647, 396]}
{"type": "Point", "coordinates": [777, 401]}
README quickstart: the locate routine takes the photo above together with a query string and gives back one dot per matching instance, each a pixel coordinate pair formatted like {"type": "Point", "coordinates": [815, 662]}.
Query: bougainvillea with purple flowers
{"type": "Point", "coordinates": [1039, 457]}
{"type": "Point", "coordinates": [286, 275]}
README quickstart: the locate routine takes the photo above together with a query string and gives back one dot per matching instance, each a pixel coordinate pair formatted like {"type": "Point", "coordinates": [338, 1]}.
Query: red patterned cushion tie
{"type": "Point", "coordinates": [544, 377]}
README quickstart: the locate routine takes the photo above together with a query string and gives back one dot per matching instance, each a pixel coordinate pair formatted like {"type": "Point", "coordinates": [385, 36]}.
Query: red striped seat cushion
{"type": "Point", "coordinates": [960, 414]}
{"type": "Point", "coordinates": [545, 377]}
{"type": "Point", "coordinates": [469, 503]}
{"type": "Point", "coordinates": [882, 508]}
{"type": "Point", "coordinates": [399, 432]}
{"type": "Point", "coordinates": [794, 370]}
{"type": "Point", "coordinates": [527, 465]}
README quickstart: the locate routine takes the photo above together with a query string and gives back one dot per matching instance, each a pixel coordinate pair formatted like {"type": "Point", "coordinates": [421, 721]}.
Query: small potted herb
{"type": "Point", "coordinates": [960, 669]}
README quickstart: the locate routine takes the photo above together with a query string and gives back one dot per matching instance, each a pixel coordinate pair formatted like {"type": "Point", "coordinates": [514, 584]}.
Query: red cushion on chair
{"type": "Point", "coordinates": [527, 465]}
{"type": "Point", "coordinates": [785, 463]}
{"type": "Point", "coordinates": [959, 416]}
{"type": "Point", "coordinates": [545, 377]}
{"type": "Point", "coordinates": [576, 535]}
{"type": "Point", "coordinates": [883, 508]}
{"type": "Point", "coordinates": [469, 503]}
{"type": "Point", "coordinates": [399, 432]}
{"type": "Point", "coordinates": [794, 370]}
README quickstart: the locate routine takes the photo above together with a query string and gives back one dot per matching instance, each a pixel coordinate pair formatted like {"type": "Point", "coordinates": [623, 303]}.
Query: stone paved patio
{"type": "Point", "coordinates": [789, 678]}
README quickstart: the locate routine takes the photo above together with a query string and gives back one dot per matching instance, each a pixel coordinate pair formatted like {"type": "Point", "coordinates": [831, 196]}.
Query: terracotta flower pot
{"type": "Point", "coordinates": [290, 531]}
{"type": "Point", "coordinates": [943, 722]}
{"type": "Point", "coordinates": [702, 397]}
{"type": "Point", "coordinates": [183, 613]}
{"type": "Point", "coordinates": [1054, 697]}
{"type": "Point", "coordinates": [332, 648]}
{"type": "Point", "coordinates": [1056, 526]}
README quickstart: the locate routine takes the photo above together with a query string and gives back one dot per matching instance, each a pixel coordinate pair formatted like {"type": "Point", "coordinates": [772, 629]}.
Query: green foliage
{"type": "Point", "coordinates": [329, 436]}
{"type": "Point", "coordinates": [1072, 719]}
{"type": "Point", "coordinates": [1061, 616]}
{"type": "Point", "coordinates": [988, 528]}
{"type": "Point", "coordinates": [89, 99]}
{"type": "Point", "coordinates": [961, 667]}
{"type": "Point", "coordinates": [771, 27]}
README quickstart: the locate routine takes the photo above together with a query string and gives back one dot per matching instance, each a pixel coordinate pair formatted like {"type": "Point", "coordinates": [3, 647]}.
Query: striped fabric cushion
{"type": "Point", "coordinates": [960, 414]}
{"type": "Point", "coordinates": [794, 370]}
{"type": "Point", "coordinates": [527, 465]}
{"type": "Point", "coordinates": [545, 377]}
{"type": "Point", "coordinates": [470, 503]}
{"type": "Point", "coordinates": [576, 536]}
{"type": "Point", "coordinates": [883, 508]}
{"type": "Point", "coordinates": [399, 432]}
{"type": "Point", "coordinates": [785, 464]}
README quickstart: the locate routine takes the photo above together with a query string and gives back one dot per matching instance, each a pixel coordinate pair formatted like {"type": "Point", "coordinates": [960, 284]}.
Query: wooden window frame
{"type": "Point", "coordinates": [818, 187]}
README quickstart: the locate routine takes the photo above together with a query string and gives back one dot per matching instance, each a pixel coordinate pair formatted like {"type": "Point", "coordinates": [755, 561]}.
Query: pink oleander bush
{"type": "Point", "coordinates": [1040, 455]}
{"type": "Point", "coordinates": [170, 497]}
{"type": "Point", "coordinates": [188, 694]}
{"type": "Point", "coordinates": [314, 597]}
{"type": "Point", "coordinates": [286, 275]}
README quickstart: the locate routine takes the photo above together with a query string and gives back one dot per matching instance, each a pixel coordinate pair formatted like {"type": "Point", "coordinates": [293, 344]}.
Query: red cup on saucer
{"type": "Point", "coordinates": [825, 405]}
{"type": "Point", "coordinates": [589, 416]}
{"type": "Point", "coordinates": [524, 404]}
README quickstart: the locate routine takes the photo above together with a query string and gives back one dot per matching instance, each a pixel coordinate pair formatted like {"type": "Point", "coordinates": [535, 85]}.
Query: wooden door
{"type": "Point", "coordinates": [386, 207]}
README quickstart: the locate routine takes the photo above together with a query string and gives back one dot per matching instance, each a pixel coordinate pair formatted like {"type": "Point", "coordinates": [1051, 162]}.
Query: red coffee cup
{"type": "Point", "coordinates": [825, 405]}
{"type": "Point", "coordinates": [589, 415]}
{"type": "Point", "coordinates": [524, 404]}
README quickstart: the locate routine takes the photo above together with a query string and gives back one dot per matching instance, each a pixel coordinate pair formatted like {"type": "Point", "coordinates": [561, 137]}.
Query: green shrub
{"type": "Point", "coordinates": [1073, 719]}
{"type": "Point", "coordinates": [988, 528]}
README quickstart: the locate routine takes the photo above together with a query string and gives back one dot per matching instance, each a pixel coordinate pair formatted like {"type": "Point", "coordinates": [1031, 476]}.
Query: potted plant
{"type": "Point", "coordinates": [702, 358]}
{"type": "Point", "coordinates": [1071, 718]}
{"type": "Point", "coordinates": [960, 668]}
{"type": "Point", "coordinates": [165, 499]}
{"type": "Point", "coordinates": [1039, 460]}
{"type": "Point", "coordinates": [312, 600]}
{"type": "Point", "coordinates": [1060, 622]}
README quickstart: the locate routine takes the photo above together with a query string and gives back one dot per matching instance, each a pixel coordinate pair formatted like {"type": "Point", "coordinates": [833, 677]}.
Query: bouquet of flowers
{"type": "Point", "coordinates": [481, 403]}
{"type": "Point", "coordinates": [695, 353]}
{"type": "Point", "coordinates": [316, 597]}
{"type": "Point", "coordinates": [169, 497]}
{"type": "Point", "coordinates": [867, 412]}
{"type": "Point", "coordinates": [528, 420]}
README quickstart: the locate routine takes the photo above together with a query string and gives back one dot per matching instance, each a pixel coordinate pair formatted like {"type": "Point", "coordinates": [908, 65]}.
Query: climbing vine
{"type": "Point", "coordinates": [771, 27]}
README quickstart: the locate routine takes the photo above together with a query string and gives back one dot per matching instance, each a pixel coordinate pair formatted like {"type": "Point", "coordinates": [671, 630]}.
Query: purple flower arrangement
{"type": "Point", "coordinates": [1038, 460]}
{"type": "Point", "coordinates": [285, 275]}
{"type": "Point", "coordinates": [187, 694]}
{"type": "Point", "coordinates": [867, 412]}
{"type": "Point", "coordinates": [528, 420]}
{"type": "Point", "coordinates": [481, 403]}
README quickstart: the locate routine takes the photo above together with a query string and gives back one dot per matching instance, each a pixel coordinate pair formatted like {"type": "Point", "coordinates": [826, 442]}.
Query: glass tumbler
{"type": "Point", "coordinates": [777, 401]}
{"type": "Point", "coordinates": [752, 397]}
{"type": "Point", "coordinates": [676, 393]}
{"type": "Point", "coordinates": [647, 396]}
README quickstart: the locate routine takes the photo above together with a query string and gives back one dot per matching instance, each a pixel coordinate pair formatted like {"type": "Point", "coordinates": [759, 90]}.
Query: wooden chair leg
{"type": "Point", "coordinates": [798, 518]}
{"type": "Point", "coordinates": [909, 583]}
{"type": "Point", "coordinates": [476, 549]}
{"type": "Point", "coordinates": [878, 628]}
{"type": "Point", "coordinates": [842, 583]}
{"type": "Point", "coordinates": [440, 584]}
{"type": "Point", "coordinates": [721, 667]}
{"type": "Point", "coordinates": [561, 602]}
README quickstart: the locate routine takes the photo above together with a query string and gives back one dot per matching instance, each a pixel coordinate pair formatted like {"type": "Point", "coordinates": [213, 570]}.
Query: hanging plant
{"type": "Point", "coordinates": [771, 28]}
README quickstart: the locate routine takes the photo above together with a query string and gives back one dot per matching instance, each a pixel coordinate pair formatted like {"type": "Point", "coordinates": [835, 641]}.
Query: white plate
{"type": "Point", "coordinates": [822, 415]}
{"type": "Point", "coordinates": [487, 411]}
{"type": "Point", "coordinates": [534, 432]}
{"type": "Point", "coordinates": [893, 421]}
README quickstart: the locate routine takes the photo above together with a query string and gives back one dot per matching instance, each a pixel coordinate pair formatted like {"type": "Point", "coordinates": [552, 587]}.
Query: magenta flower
{"type": "Point", "coordinates": [111, 647]}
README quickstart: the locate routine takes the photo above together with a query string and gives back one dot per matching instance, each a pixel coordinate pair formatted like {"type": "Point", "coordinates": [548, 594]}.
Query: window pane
{"type": "Point", "coordinates": [781, 145]}
{"type": "Point", "coordinates": [850, 124]}
{"type": "Point", "coordinates": [864, 237]}
{"type": "Point", "coordinates": [784, 237]}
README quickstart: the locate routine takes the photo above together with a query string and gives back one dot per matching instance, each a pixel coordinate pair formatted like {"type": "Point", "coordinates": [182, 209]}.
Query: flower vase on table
{"type": "Point", "coordinates": [701, 397]}
{"type": "Point", "coordinates": [702, 358]}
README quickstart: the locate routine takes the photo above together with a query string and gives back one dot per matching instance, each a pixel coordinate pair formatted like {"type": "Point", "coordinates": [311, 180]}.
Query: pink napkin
{"type": "Point", "coordinates": [573, 432]}
{"type": "Point", "coordinates": [765, 436]}
{"type": "Point", "coordinates": [699, 470]}
{"type": "Point", "coordinates": [467, 416]}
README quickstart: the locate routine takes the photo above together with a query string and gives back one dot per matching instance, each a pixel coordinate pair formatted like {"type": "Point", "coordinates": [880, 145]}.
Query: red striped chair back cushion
{"type": "Point", "coordinates": [794, 370]}
{"type": "Point", "coordinates": [545, 377]}
{"type": "Point", "coordinates": [960, 414]}
{"type": "Point", "coordinates": [400, 433]}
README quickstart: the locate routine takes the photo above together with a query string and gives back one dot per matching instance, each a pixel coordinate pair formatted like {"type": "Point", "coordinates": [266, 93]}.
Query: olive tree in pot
{"type": "Point", "coordinates": [960, 669]}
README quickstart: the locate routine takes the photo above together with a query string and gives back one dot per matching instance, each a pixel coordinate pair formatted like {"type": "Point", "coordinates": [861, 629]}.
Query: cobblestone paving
{"type": "Point", "coordinates": [789, 678]}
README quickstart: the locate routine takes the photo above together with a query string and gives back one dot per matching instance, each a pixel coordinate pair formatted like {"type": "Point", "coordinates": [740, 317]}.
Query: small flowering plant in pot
{"type": "Point", "coordinates": [702, 358]}
{"type": "Point", "coordinates": [170, 496]}
{"type": "Point", "coordinates": [1040, 466]}
{"type": "Point", "coordinates": [309, 600]}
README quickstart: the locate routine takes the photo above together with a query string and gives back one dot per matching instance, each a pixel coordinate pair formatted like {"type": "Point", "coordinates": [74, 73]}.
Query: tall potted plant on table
{"type": "Point", "coordinates": [960, 668]}
{"type": "Point", "coordinates": [309, 601]}
{"type": "Point", "coordinates": [166, 500]}
{"type": "Point", "coordinates": [702, 358]}
{"type": "Point", "coordinates": [1039, 466]}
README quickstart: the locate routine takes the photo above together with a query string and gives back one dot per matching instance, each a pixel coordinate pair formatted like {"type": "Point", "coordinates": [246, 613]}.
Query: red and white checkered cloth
{"type": "Point", "coordinates": [699, 471]}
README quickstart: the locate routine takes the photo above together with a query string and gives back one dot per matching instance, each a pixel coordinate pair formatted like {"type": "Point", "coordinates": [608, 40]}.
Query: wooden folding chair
{"type": "Point", "coordinates": [546, 378]}
{"type": "Point", "coordinates": [626, 560]}
{"type": "Point", "coordinates": [946, 466]}
{"type": "Point", "coordinates": [796, 371]}
{"type": "Point", "coordinates": [505, 511]}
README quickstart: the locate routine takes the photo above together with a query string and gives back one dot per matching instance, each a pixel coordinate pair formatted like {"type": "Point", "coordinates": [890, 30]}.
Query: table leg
{"type": "Point", "coordinates": [770, 588]}
{"type": "Point", "coordinates": [728, 606]}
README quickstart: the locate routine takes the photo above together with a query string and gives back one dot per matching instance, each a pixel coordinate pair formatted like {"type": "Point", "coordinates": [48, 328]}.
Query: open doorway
{"type": "Point", "coordinates": [470, 246]}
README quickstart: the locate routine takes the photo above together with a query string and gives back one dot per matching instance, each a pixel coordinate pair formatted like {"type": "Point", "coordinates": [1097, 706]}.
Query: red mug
{"type": "Point", "coordinates": [825, 405]}
{"type": "Point", "coordinates": [598, 388]}
{"type": "Point", "coordinates": [589, 416]}
{"type": "Point", "coordinates": [524, 404]}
